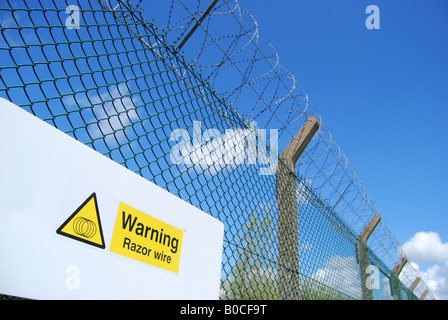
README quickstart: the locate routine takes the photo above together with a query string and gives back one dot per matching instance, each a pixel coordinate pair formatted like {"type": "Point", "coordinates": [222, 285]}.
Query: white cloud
{"type": "Point", "coordinates": [113, 110]}
{"type": "Point", "coordinates": [116, 112]}
{"type": "Point", "coordinates": [341, 274]}
{"type": "Point", "coordinates": [303, 191]}
{"type": "Point", "coordinates": [426, 246]}
{"type": "Point", "coordinates": [436, 278]}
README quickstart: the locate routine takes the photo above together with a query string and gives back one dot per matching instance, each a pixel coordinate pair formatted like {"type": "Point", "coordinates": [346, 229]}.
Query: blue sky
{"type": "Point", "coordinates": [382, 93]}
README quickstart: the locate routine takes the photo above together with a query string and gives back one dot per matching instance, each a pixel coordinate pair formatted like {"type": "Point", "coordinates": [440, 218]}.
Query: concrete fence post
{"type": "Point", "coordinates": [424, 295]}
{"type": "Point", "coordinates": [286, 193]}
{"type": "Point", "coordinates": [362, 253]}
{"type": "Point", "coordinates": [412, 288]}
{"type": "Point", "coordinates": [414, 284]}
{"type": "Point", "coordinates": [395, 287]}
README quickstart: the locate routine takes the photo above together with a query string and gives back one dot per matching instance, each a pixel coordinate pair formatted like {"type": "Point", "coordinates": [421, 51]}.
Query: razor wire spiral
{"type": "Point", "coordinates": [119, 85]}
{"type": "Point", "coordinates": [258, 69]}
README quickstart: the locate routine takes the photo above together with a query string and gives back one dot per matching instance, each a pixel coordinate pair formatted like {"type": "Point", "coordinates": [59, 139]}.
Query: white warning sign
{"type": "Point", "coordinates": [76, 225]}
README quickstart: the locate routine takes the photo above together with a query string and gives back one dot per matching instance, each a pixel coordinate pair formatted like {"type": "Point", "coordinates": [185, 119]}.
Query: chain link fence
{"type": "Point", "coordinates": [103, 74]}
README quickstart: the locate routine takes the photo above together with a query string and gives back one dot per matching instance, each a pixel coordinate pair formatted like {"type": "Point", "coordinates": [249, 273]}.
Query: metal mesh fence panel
{"type": "Point", "coordinates": [116, 85]}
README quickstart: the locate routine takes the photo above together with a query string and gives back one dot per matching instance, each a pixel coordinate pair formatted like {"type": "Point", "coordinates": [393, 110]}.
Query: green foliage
{"type": "Point", "coordinates": [254, 275]}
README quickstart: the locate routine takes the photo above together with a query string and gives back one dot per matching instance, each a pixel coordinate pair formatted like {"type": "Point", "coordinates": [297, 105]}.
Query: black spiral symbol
{"type": "Point", "coordinates": [84, 227]}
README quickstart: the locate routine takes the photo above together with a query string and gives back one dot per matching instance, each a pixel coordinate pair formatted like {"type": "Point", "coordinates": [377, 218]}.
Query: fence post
{"type": "Point", "coordinates": [413, 286]}
{"type": "Point", "coordinates": [286, 193]}
{"type": "Point", "coordinates": [424, 295]}
{"type": "Point", "coordinates": [363, 255]}
{"type": "Point", "coordinates": [395, 281]}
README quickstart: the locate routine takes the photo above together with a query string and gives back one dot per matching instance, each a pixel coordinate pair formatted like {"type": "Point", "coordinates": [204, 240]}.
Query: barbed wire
{"type": "Point", "coordinates": [228, 45]}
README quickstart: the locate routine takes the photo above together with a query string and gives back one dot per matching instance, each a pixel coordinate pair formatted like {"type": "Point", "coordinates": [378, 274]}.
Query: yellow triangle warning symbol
{"type": "Point", "coordinates": [84, 224]}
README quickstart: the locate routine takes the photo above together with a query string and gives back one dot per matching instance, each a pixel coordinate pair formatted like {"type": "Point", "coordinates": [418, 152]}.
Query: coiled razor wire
{"type": "Point", "coordinates": [229, 40]}
{"type": "Point", "coordinates": [118, 84]}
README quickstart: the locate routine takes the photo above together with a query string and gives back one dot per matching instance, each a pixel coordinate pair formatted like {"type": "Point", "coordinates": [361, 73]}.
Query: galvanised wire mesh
{"type": "Point", "coordinates": [118, 86]}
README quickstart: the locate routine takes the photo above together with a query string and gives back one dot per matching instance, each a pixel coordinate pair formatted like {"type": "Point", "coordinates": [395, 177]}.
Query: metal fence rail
{"type": "Point", "coordinates": [114, 83]}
